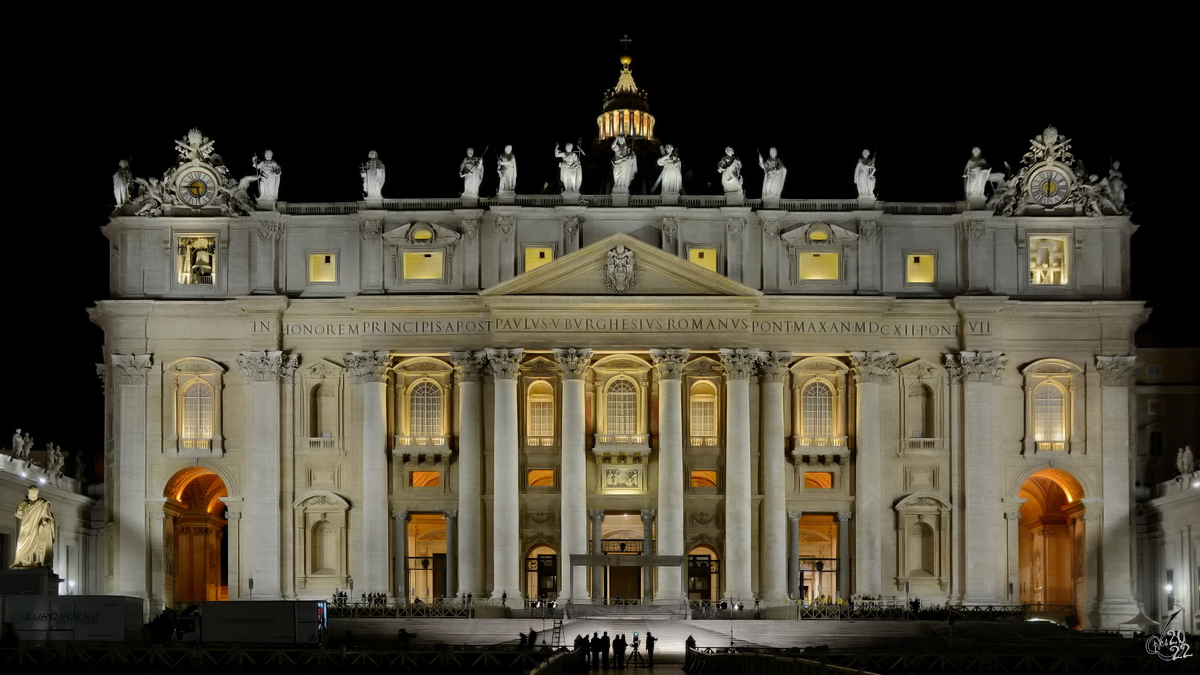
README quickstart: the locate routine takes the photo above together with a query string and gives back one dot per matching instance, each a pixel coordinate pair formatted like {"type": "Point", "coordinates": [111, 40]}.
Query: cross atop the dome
{"type": "Point", "coordinates": [626, 40]}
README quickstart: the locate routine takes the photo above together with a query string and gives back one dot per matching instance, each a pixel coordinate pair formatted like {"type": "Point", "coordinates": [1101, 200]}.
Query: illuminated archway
{"type": "Point", "coordinates": [1052, 540]}
{"type": "Point", "coordinates": [541, 573]}
{"type": "Point", "coordinates": [195, 551]}
{"type": "Point", "coordinates": [704, 573]}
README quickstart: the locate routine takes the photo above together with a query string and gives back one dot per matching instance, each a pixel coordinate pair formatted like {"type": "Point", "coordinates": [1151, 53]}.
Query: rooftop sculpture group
{"type": "Point", "coordinates": [1050, 178]}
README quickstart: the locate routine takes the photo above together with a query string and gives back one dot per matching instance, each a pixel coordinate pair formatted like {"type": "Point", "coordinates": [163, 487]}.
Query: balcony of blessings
{"type": "Point", "coordinates": [616, 324]}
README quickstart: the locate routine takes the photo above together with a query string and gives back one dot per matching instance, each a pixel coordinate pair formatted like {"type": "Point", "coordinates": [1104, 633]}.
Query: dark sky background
{"type": "Point", "coordinates": [323, 94]}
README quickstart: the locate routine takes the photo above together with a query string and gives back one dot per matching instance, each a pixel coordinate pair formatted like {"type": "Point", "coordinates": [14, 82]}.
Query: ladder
{"type": "Point", "coordinates": [556, 637]}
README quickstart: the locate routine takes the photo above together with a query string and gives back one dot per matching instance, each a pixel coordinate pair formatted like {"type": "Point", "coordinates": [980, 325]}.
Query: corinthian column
{"type": "Point", "coordinates": [129, 507]}
{"type": "Point", "coordinates": [669, 364]}
{"type": "Point", "coordinates": [574, 363]}
{"type": "Point", "coordinates": [1116, 586]}
{"type": "Point", "coordinates": [774, 558]}
{"type": "Point", "coordinates": [739, 365]}
{"type": "Point", "coordinates": [978, 372]}
{"type": "Point", "coordinates": [262, 371]}
{"type": "Point", "coordinates": [872, 370]}
{"type": "Point", "coordinates": [506, 513]}
{"type": "Point", "coordinates": [370, 369]}
{"type": "Point", "coordinates": [468, 367]}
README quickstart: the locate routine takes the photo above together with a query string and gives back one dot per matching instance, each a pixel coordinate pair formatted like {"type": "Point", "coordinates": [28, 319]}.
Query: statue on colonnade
{"type": "Point", "coordinates": [774, 173]}
{"type": "Point", "coordinates": [672, 169]}
{"type": "Point", "coordinates": [864, 176]}
{"type": "Point", "coordinates": [506, 166]}
{"type": "Point", "coordinates": [35, 534]}
{"type": "Point", "coordinates": [570, 169]}
{"type": "Point", "coordinates": [269, 173]}
{"type": "Point", "coordinates": [976, 174]}
{"type": "Point", "coordinates": [730, 168]}
{"type": "Point", "coordinates": [471, 173]}
{"type": "Point", "coordinates": [624, 163]}
{"type": "Point", "coordinates": [373, 174]}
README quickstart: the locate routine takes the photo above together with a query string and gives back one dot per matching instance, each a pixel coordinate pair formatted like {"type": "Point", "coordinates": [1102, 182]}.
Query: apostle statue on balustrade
{"type": "Point", "coordinates": [976, 174]}
{"type": "Point", "coordinates": [864, 176]}
{"type": "Point", "coordinates": [624, 163]}
{"type": "Point", "coordinates": [35, 533]}
{"type": "Point", "coordinates": [269, 173]}
{"type": "Point", "coordinates": [730, 168]}
{"type": "Point", "coordinates": [774, 173]}
{"type": "Point", "coordinates": [570, 169]}
{"type": "Point", "coordinates": [471, 173]}
{"type": "Point", "coordinates": [506, 166]}
{"type": "Point", "coordinates": [373, 174]}
{"type": "Point", "coordinates": [122, 182]}
{"type": "Point", "coordinates": [672, 169]}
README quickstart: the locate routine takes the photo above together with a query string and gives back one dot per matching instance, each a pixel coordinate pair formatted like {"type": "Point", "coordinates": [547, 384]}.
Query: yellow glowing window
{"type": "Point", "coordinates": [819, 266]}
{"type": "Point", "coordinates": [818, 479]}
{"type": "Point", "coordinates": [423, 265]}
{"type": "Point", "coordinates": [704, 257]}
{"type": "Point", "coordinates": [1049, 262]}
{"type": "Point", "coordinates": [536, 256]}
{"type": "Point", "coordinates": [426, 479]}
{"type": "Point", "coordinates": [322, 268]}
{"type": "Point", "coordinates": [818, 235]}
{"type": "Point", "coordinates": [920, 268]}
{"type": "Point", "coordinates": [704, 479]}
{"type": "Point", "coordinates": [540, 478]}
{"type": "Point", "coordinates": [422, 235]}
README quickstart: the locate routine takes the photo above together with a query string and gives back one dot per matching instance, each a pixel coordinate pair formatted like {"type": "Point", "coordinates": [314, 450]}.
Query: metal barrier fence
{"type": "Point", "coordinates": [720, 662]}
{"type": "Point", "coordinates": [122, 656]}
{"type": "Point", "coordinates": [881, 611]}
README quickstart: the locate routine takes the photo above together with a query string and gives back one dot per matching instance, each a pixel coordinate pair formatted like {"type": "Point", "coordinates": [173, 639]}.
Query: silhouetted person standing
{"type": "Point", "coordinates": [650, 640]}
{"type": "Point", "coordinates": [619, 651]}
{"type": "Point", "coordinates": [596, 646]}
{"type": "Point", "coordinates": [604, 644]}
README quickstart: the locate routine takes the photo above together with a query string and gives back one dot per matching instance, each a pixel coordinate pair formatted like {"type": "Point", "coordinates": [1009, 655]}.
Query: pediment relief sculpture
{"type": "Point", "coordinates": [422, 234]}
{"type": "Point", "coordinates": [818, 234]}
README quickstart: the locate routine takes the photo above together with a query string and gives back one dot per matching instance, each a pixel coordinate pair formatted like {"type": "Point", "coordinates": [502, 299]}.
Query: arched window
{"type": "Point", "coordinates": [425, 410]}
{"type": "Point", "coordinates": [197, 415]}
{"type": "Point", "coordinates": [703, 418]}
{"type": "Point", "coordinates": [817, 411]}
{"type": "Point", "coordinates": [323, 411]}
{"type": "Point", "coordinates": [541, 413]}
{"type": "Point", "coordinates": [622, 408]}
{"type": "Point", "coordinates": [1049, 413]}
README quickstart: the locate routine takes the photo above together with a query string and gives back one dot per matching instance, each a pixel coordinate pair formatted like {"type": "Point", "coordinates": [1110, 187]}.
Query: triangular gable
{"type": "Point", "coordinates": [658, 273]}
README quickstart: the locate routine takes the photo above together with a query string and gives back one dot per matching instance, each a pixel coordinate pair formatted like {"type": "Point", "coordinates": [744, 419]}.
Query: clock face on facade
{"type": "Point", "coordinates": [196, 188]}
{"type": "Point", "coordinates": [1049, 187]}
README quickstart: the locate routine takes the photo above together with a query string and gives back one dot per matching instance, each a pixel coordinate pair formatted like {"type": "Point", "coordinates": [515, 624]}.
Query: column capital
{"type": "Point", "coordinates": [874, 366]}
{"type": "Point", "coordinates": [774, 366]}
{"type": "Point", "coordinates": [596, 514]}
{"type": "Point", "coordinates": [132, 368]}
{"type": "Point", "coordinates": [468, 366]}
{"type": "Point", "coordinates": [261, 366]}
{"type": "Point", "coordinates": [368, 367]}
{"type": "Point", "coordinates": [573, 362]}
{"type": "Point", "coordinates": [975, 366]}
{"type": "Point", "coordinates": [843, 516]}
{"type": "Point", "coordinates": [504, 363]}
{"type": "Point", "coordinates": [400, 515]}
{"type": "Point", "coordinates": [794, 515]}
{"type": "Point", "coordinates": [102, 373]}
{"type": "Point", "coordinates": [739, 363]}
{"type": "Point", "coordinates": [1012, 515]}
{"type": "Point", "coordinates": [648, 514]}
{"type": "Point", "coordinates": [230, 514]}
{"type": "Point", "coordinates": [669, 362]}
{"type": "Point", "coordinates": [1116, 371]}
{"type": "Point", "coordinates": [450, 514]}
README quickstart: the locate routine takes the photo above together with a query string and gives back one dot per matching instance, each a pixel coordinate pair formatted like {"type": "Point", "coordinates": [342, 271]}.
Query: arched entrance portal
{"type": "Point", "coordinates": [1052, 541]}
{"type": "Point", "coordinates": [195, 549]}
{"type": "Point", "coordinates": [704, 574]}
{"type": "Point", "coordinates": [541, 573]}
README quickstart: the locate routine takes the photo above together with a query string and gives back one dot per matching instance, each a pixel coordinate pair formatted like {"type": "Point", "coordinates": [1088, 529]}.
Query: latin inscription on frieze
{"type": "Point", "coordinates": [618, 324]}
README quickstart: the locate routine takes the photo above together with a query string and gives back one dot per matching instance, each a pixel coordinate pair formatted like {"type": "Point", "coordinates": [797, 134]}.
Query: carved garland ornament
{"type": "Point", "coordinates": [670, 226]}
{"type": "Point", "coordinates": [505, 224]}
{"type": "Point", "coordinates": [270, 230]}
{"type": "Point", "coordinates": [736, 225]}
{"type": "Point", "coordinates": [570, 226]}
{"type": "Point", "coordinates": [370, 229]}
{"type": "Point", "coordinates": [469, 227]}
{"type": "Point", "coordinates": [870, 230]}
{"type": "Point", "coordinates": [573, 362]}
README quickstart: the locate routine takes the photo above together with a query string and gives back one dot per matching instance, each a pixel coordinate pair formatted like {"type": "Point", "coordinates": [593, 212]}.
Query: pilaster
{"type": "Point", "coordinates": [370, 370]}
{"type": "Point", "coordinates": [1117, 375]}
{"type": "Point", "coordinates": [573, 514]}
{"type": "Point", "coordinates": [739, 366]}
{"type": "Point", "coordinates": [132, 374]}
{"type": "Point", "coordinates": [872, 370]}
{"type": "Point", "coordinates": [506, 528]}
{"type": "Point", "coordinates": [773, 584]}
{"type": "Point", "coordinates": [468, 371]}
{"type": "Point", "coordinates": [668, 363]}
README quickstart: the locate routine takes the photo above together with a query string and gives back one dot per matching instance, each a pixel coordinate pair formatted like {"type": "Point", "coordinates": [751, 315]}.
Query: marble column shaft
{"type": "Point", "coordinates": [793, 563]}
{"type": "Point", "coordinates": [647, 549]}
{"type": "Point", "coordinates": [451, 553]}
{"type": "Point", "coordinates": [400, 535]}
{"type": "Point", "coordinates": [739, 366]}
{"type": "Point", "coordinates": [262, 370]}
{"type": "Point", "coordinates": [468, 368]}
{"type": "Point", "coordinates": [669, 364]}
{"type": "Point", "coordinates": [597, 518]}
{"type": "Point", "coordinates": [978, 372]}
{"type": "Point", "coordinates": [129, 509]}
{"type": "Point", "coordinates": [872, 370]}
{"type": "Point", "coordinates": [1117, 375]}
{"type": "Point", "coordinates": [573, 485]}
{"type": "Point", "coordinates": [843, 564]}
{"type": "Point", "coordinates": [776, 562]}
{"type": "Point", "coordinates": [506, 512]}
{"type": "Point", "coordinates": [370, 369]}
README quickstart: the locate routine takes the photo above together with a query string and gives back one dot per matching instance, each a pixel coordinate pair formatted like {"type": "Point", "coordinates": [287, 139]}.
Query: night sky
{"type": "Point", "coordinates": [321, 96]}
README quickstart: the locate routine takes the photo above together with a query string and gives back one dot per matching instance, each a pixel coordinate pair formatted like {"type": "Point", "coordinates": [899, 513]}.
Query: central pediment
{"type": "Point", "coordinates": [621, 265]}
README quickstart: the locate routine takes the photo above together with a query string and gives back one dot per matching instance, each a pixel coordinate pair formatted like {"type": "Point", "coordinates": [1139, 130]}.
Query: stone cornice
{"type": "Point", "coordinates": [367, 367]}
{"type": "Point", "coordinates": [669, 362]}
{"type": "Point", "coordinates": [504, 363]}
{"type": "Point", "coordinates": [739, 363]}
{"type": "Point", "coordinates": [573, 362]}
{"type": "Point", "coordinates": [874, 366]}
{"type": "Point", "coordinates": [1117, 371]}
{"type": "Point", "coordinates": [132, 368]}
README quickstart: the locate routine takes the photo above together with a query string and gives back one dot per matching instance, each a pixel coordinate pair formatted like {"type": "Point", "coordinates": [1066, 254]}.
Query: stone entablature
{"type": "Point", "coordinates": [435, 248]}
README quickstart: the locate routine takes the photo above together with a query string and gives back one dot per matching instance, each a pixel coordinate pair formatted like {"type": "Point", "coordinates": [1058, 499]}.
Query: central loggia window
{"type": "Point", "coordinates": [1049, 260]}
{"type": "Point", "coordinates": [196, 259]}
